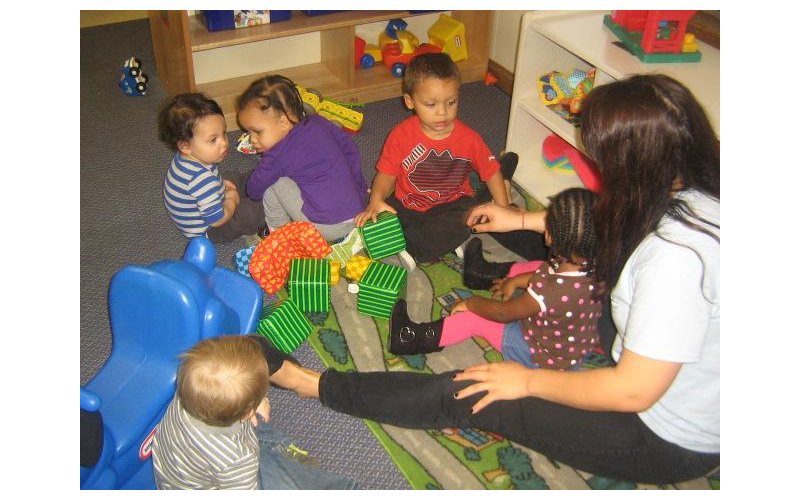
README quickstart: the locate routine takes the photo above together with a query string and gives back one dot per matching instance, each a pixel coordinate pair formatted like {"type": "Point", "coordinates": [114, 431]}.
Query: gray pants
{"type": "Point", "coordinates": [283, 204]}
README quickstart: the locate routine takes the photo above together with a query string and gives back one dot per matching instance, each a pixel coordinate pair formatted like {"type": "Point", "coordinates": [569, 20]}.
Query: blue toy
{"type": "Point", "coordinates": [157, 312]}
{"type": "Point", "coordinates": [132, 81]}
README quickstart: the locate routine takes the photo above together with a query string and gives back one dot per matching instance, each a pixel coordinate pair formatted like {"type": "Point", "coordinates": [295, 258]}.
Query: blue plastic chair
{"type": "Point", "coordinates": [157, 312]}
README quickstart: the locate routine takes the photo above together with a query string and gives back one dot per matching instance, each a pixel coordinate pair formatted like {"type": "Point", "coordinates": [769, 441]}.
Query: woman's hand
{"type": "Point", "coordinates": [493, 218]}
{"type": "Point", "coordinates": [500, 381]}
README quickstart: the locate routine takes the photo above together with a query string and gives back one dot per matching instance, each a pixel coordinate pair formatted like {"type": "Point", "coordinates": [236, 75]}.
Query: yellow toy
{"type": "Point", "coordinates": [310, 98]}
{"type": "Point", "coordinates": [449, 34]}
{"type": "Point", "coordinates": [350, 119]}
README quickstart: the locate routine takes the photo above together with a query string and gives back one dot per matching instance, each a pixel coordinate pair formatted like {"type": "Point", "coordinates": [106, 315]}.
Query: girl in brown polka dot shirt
{"type": "Point", "coordinates": [552, 324]}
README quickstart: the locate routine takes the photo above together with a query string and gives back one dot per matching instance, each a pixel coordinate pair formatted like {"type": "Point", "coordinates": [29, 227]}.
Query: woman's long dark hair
{"type": "Point", "coordinates": [649, 138]}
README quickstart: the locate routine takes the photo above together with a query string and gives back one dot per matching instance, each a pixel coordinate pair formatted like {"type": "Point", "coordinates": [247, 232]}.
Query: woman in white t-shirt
{"type": "Point", "coordinates": [653, 417]}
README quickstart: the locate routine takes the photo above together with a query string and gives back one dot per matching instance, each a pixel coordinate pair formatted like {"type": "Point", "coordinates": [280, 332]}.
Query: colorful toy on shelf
{"type": "Point", "coordinates": [396, 61]}
{"type": "Point", "coordinates": [344, 116]}
{"type": "Point", "coordinates": [449, 34]}
{"type": "Point", "coordinates": [567, 89]}
{"type": "Point", "coordinates": [218, 20]}
{"type": "Point", "coordinates": [396, 47]}
{"type": "Point", "coordinates": [132, 81]}
{"type": "Point", "coordinates": [655, 36]}
{"type": "Point", "coordinates": [156, 312]}
{"type": "Point", "coordinates": [560, 156]}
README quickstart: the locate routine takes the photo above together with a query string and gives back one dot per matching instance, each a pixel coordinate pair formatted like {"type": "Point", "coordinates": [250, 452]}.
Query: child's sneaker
{"type": "Point", "coordinates": [351, 245]}
{"type": "Point", "coordinates": [408, 262]}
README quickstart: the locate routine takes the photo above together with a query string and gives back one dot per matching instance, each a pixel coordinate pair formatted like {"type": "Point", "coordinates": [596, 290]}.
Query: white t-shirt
{"type": "Point", "coordinates": [666, 307]}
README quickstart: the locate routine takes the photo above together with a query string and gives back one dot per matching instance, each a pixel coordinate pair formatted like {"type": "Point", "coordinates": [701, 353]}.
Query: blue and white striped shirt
{"type": "Point", "coordinates": [193, 195]}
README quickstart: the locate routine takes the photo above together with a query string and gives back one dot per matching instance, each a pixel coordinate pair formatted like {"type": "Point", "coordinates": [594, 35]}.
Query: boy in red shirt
{"type": "Point", "coordinates": [427, 160]}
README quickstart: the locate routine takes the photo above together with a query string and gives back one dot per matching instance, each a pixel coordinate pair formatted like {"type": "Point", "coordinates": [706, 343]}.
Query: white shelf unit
{"type": "Point", "coordinates": [561, 41]}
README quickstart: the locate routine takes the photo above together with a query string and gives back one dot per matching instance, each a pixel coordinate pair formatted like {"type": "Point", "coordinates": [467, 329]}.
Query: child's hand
{"type": "Point", "coordinates": [263, 410]}
{"type": "Point", "coordinates": [459, 306]}
{"type": "Point", "coordinates": [372, 211]}
{"type": "Point", "coordinates": [233, 194]}
{"type": "Point", "coordinates": [503, 287]}
{"type": "Point", "coordinates": [229, 186]}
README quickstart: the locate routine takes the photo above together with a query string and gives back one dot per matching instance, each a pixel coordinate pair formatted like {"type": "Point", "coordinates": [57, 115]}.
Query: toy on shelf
{"type": "Point", "coordinates": [566, 91]}
{"type": "Point", "coordinates": [655, 36]}
{"type": "Point", "coordinates": [340, 114]}
{"type": "Point", "coordinates": [560, 156]}
{"type": "Point", "coordinates": [397, 46]}
{"type": "Point", "coordinates": [132, 81]}
{"type": "Point", "coordinates": [218, 20]}
{"type": "Point", "coordinates": [156, 313]}
{"type": "Point", "coordinates": [449, 34]}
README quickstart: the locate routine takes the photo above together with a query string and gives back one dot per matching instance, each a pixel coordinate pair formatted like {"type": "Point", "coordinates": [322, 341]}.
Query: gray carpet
{"type": "Point", "coordinates": [123, 221]}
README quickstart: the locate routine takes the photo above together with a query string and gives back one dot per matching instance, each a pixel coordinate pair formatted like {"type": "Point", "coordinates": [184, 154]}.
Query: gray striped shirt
{"type": "Point", "coordinates": [190, 454]}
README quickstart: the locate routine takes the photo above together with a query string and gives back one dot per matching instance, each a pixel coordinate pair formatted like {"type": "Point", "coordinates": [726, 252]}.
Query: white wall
{"type": "Point", "coordinates": [505, 35]}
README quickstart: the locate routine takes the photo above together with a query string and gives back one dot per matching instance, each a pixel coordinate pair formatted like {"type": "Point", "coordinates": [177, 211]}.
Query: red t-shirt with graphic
{"type": "Point", "coordinates": [430, 172]}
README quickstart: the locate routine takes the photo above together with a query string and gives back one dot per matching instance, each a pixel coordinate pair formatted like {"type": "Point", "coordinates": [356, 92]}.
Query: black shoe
{"type": "Point", "coordinates": [407, 337]}
{"type": "Point", "coordinates": [479, 274]}
{"type": "Point", "coordinates": [263, 232]}
{"type": "Point", "coordinates": [508, 165]}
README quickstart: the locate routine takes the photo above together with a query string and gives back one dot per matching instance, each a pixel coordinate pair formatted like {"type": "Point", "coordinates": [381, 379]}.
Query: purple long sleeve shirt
{"type": "Point", "coordinates": [324, 162]}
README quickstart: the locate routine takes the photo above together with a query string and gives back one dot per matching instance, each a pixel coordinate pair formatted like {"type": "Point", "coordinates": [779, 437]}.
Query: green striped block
{"type": "Point", "coordinates": [309, 284]}
{"type": "Point", "coordinates": [379, 288]}
{"type": "Point", "coordinates": [384, 237]}
{"type": "Point", "coordinates": [284, 325]}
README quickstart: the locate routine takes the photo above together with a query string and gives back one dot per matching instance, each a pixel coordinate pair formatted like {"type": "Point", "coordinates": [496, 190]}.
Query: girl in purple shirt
{"type": "Point", "coordinates": [310, 169]}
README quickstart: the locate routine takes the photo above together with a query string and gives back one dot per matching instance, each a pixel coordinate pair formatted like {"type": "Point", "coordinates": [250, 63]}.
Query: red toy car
{"type": "Point", "coordinates": [396, 61]}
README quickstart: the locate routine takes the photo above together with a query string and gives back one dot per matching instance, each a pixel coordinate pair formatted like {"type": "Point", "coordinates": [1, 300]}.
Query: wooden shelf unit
{"type": "Point", "coordinates": [177, 35]}
{"type": "Point", "coordinates": [561, 41]}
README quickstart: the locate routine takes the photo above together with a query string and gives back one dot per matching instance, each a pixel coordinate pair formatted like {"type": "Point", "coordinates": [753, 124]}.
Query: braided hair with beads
{"type": "Point", "coordinates": [569, 223]}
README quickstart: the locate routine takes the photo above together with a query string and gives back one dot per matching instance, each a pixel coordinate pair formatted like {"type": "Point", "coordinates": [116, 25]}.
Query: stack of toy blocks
{"type": "Point", "coordinates": [284, 325]}
{"type": "Point", "coordinates": [384, 237]}
{"type": "Point", "coordinates": [379, 288]}
{"type": "Point", "coordinates": [309, 284]}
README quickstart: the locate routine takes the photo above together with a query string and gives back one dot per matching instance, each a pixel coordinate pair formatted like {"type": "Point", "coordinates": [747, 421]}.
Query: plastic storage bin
{"type": "Point", "coordinates": [218, 20]}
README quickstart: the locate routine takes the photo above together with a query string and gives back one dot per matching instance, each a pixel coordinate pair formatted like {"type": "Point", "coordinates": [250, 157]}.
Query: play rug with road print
{"type": "Point", "coordinates": [447, 458]}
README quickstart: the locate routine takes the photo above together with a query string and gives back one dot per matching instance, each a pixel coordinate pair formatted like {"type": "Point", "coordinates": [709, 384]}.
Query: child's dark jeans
{"type": "Point", "coordinates": [249, 215]}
